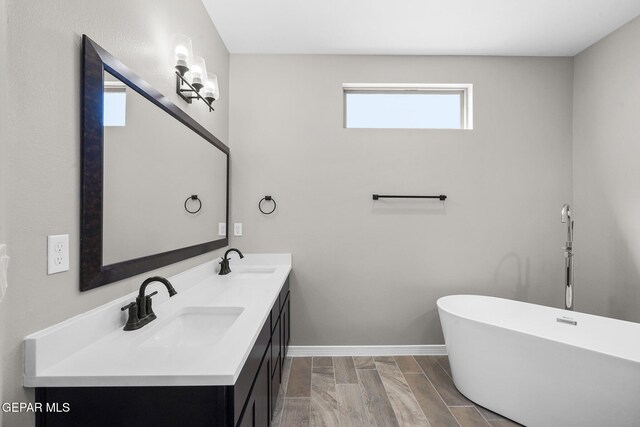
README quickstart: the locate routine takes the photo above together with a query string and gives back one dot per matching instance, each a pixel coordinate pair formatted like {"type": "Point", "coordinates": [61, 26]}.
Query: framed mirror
{"type": "Point", "coordinates": [155, 183]}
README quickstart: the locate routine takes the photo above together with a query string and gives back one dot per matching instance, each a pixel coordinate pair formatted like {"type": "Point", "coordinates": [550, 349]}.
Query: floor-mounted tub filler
{"type": "Point", "coordinates": [568, 257]}
{"type": "Point", "coordinates": [543, 366]}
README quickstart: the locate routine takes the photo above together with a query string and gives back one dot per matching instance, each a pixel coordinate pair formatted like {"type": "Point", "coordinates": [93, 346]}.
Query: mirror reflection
{"type": "Point", "coordinates": [150, 174]}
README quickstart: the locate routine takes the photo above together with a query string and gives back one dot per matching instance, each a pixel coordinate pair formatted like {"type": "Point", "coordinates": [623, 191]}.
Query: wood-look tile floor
{"type": "Point", "coordinates": [375, 391]}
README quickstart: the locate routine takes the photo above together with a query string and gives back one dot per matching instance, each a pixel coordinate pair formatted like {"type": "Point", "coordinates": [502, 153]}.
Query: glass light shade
{"type": "Point", "coordinates": [182, 53]}
{"type": "Point", "coordinates": [211, 91]}
{"type": "Point", "coordinates": [198, 72]}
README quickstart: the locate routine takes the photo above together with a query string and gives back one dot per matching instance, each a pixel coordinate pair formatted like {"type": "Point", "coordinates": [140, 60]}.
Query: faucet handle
{"type": "Point", "coordinates": [128, 306]}
{"type": "Point", "coordinates": [133, 321]}
{"type": "Point", "coordinates": [224, 267]}
{"type": "Point", "coordinates": [150, 314]}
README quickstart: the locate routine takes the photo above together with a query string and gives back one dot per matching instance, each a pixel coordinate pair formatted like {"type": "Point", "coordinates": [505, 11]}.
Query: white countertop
{"type": "Point", "coordinates": [92, 349]}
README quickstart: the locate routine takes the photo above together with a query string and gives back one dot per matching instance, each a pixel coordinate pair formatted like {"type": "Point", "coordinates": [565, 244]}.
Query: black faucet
{"type": "Point", "coordinates": [140, 311]}
{"type": "Point", "coordinates": [224, 264]}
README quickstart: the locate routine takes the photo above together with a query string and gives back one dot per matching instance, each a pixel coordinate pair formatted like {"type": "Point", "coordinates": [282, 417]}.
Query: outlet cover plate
{"type": "Point", "coordinates": [57, 253]}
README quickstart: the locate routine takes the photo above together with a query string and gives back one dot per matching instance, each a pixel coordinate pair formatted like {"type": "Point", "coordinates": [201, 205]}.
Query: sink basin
{"type": "Point", "coordinates": [192, 327]}
{"type": "Point", "coordinates": [255, 273]}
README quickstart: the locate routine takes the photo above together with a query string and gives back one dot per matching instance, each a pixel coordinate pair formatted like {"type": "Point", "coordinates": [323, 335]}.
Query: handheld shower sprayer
{"type": "Point", "coordinates": [566, 219]}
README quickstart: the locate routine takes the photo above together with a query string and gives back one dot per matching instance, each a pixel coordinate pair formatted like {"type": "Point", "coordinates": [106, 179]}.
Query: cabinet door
{"type": "Point", "coordinates": [257, 411]}
{"type": "Point", "coordinates": [285, 319]}
{"type": "Point", "coordinates": [276, 377]}
{"type": "Point", "coordinates": [246, 380]}
{"type": "Point", "coordinates": [249, 417]}
{"type": "Point", "coordinates": [261, 393]}
{"type": "Point", "coordinates": [276, 347]}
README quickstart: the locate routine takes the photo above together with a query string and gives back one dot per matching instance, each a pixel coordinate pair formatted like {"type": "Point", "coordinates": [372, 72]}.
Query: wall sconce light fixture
{"type": "Point", "coordinates": [191, 74]}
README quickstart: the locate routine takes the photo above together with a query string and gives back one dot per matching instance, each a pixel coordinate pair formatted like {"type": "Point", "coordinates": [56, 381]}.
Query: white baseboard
{"type": "Point", "coordinates": [366, 350]}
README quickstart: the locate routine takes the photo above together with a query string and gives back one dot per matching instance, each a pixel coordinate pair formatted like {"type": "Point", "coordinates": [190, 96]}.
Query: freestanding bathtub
{"type": "Point", "coordinates": [520, 361]}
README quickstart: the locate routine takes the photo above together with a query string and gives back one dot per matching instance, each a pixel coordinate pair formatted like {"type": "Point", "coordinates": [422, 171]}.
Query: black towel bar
{"type": "Point", "coordinates": [386, 196]}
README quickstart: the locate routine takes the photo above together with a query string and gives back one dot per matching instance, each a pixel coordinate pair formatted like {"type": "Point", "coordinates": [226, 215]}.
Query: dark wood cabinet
{"type": "Point", "coordinates": [250, 402]}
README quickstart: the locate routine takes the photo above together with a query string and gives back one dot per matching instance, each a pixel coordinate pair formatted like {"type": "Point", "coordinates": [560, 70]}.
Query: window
{"type": "Point", "coordinates": [408, 106]}
{"type": "Point", "coordinates": [115, 103]}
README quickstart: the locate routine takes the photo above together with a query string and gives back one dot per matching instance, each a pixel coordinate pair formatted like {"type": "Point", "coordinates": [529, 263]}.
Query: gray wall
{"type": "Point", "coordinates": [606, 175]}
{"type": "Point", "coordinates": [370, 273]}
{"type": "Point", "coordinates": [44, 144]}
{"type": "Point", "coordinates": [4, 115]}
{"type": "Point", "coordinates": [4, 111]}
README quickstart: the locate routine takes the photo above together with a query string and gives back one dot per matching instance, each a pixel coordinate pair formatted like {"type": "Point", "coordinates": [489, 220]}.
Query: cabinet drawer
{"type": "Point", "coordinates": [248, 374]}
{"type": "Point", "coordinates": [131, 406]}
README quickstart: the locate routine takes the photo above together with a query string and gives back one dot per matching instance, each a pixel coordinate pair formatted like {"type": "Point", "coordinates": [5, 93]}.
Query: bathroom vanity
{"type": "Point", "coordinates": [213, 356]}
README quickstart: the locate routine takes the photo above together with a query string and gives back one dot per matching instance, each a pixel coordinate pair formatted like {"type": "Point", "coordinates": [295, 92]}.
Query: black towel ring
{"type": "Point", "coordinates": [193, 197]}
{"type": "Point", "coordinates": [268, 199]}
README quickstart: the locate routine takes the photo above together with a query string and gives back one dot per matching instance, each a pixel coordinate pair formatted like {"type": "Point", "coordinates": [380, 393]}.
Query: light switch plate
{"type": "Point", "coordinates": [237, 229]}
{"type": "Point", "coordinates": [57, 253]}
{"type": "Point", "coordinates": [222, 229]}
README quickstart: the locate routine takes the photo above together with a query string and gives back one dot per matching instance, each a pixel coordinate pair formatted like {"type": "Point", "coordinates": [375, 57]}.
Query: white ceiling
{"type": "Point", "coordinates": [418, 27]}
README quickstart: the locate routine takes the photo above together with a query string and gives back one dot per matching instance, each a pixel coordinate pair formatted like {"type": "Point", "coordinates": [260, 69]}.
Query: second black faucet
{"type": "Point", "coordinates": [224, 264]}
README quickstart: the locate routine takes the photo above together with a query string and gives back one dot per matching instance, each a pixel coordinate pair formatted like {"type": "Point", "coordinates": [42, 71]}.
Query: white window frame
{"type": "Point", "coordinates": [464, 89]}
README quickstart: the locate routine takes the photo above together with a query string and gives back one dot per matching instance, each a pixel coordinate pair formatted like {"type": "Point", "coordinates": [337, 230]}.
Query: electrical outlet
{"type": "Point", "coordinates": [237, 229]}
{"type": "Point", "coordinates": [57, 253]}
{"type": "Point", "coordinates": [222, 229]}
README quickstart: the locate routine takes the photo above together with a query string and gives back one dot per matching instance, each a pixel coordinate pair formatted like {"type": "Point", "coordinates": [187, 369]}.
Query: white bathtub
{"type": "Point", "coordinates": [519, 361]}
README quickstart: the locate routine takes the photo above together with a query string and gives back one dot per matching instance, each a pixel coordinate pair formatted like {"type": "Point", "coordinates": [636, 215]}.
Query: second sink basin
{"type": "Point", "coordinates": [255, 273]}
{"type": "Point", "coordinates": [192, 327]}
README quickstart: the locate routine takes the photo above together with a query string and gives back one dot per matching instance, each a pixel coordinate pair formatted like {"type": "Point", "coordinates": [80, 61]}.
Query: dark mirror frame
{"type": "Point", "coordinates": [92, 271]}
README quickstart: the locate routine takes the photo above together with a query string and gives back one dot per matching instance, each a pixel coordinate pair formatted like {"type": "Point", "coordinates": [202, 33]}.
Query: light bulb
{"type": "Point", "coordinates": [210, 90]}
{"type": "Point", "coordinates": [198, 72]}
{"type": "Point", "coordinates": [182, 53]}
